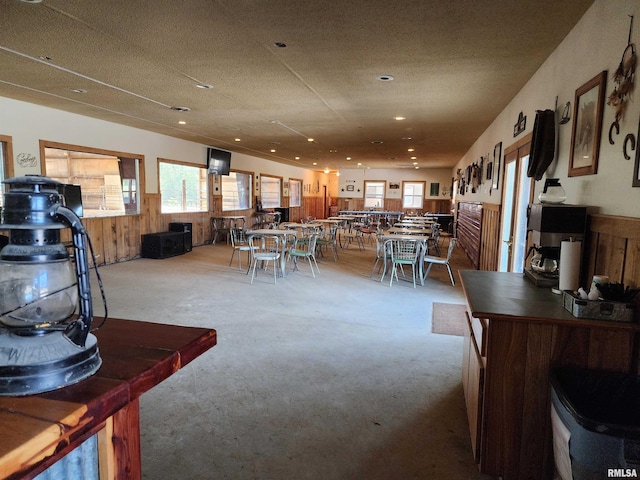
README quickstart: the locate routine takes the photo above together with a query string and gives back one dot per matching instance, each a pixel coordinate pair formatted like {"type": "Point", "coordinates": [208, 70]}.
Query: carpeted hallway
{"type": "Point", "coordinates": [333, 377]}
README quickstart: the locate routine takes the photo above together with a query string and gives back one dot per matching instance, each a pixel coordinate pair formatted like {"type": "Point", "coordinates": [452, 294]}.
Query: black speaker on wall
{"type": "Point", "coordinates": [162, 245]}
{"type": "Point", "coordinates": [186, 229]}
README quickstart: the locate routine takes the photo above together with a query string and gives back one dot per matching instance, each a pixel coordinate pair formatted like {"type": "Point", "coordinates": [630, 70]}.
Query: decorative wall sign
{"type": "Point", "coordinates": [587, 126]}
{"type": "Point", "coordinates": [26, 160]}
{"type": "Point", "coordinates": [520, 125]}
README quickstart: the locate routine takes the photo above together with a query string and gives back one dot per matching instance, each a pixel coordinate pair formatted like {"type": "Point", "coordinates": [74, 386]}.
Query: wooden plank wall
{"type": "Point", "coordinates": [612, 248]}
{"type": "Point", "coordinates": [395, 205]}
{"type": "Point", "coordinates": [490, 237]}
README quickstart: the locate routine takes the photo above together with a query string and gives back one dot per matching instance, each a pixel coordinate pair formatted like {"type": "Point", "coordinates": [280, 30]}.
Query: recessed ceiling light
{"type": "Point", "coordinates": [359, 164]}
{"type": "Point", "coordinates": [309, 139]}
{"type": "Point", "coordinates": [406, 138]}
{"type": "Point", "coordinates": [182, 122]}
{"type": "Point", "coordinates": [326, 170]}
{"type": "Point", "coordinates": [237, 139]}
{"type": "Point", "coordinates": [399, 118]}
{"type": "Point", "coordinates": [78, 90]}
{"type": "Point", "coordinates": [410, 149]}
{"type": "Point", "coordinates": [273, 150]}
{"type": "Point", "coordinates": [377, 142]}
{"type": "Point", "coordinates": [315, 163]}
{"type": "Point", "coordinates": [348, 158]}
{"type": "Point", "coordinates": [385, 78]}
{"type": "Point", "coordinates": [415, 163]}
{"type": "Point", "coordinates": [204, 85]}
{"type": "Point", "coordinates": [417, 168]}
{"type": "Point", "coordinates": [333, 151]}
{"type": "Point", "coordinates": [297, 158]}
{"type": "Point", "coordinates": [181, 109]}
{"type": "Point", "coordinates": [413, 158]}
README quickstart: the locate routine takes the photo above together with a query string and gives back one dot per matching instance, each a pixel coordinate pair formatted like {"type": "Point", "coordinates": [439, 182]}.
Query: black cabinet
{"type": "Point", "coordinates": [284, 213]}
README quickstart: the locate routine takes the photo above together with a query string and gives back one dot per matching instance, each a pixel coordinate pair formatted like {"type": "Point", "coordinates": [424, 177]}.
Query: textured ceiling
{"type": "Point", "coordinates": [455, 66]}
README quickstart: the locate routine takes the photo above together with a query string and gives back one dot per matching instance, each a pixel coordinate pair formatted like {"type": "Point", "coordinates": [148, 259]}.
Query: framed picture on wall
{"type": "Point", "coordinates": [587, 126]}
{"type": "Point", "coordinates": [434, 189]}
{"type": "Point", "coordinates": [350, 188]}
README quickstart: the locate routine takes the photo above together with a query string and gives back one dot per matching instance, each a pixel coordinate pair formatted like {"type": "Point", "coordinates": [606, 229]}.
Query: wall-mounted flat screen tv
{"type": "Point", "coordinates": [72, 197]}
{"type": "Point", "coordinates": [218, 161]}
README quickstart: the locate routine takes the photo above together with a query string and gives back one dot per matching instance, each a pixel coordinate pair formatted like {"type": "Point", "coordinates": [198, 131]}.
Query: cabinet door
{"type": "Point", "coordinates": [473, 382]}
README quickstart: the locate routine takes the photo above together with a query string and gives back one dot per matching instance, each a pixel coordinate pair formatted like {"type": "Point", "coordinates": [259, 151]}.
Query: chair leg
{"type": "Point", "coordinates": [233, 252]}
{"type": "Point", "coordinates": [316, 263]}
{"type": "Point", "coordinates": [311, 267]}
{"type": "Point", "coordinates": [453, 282]}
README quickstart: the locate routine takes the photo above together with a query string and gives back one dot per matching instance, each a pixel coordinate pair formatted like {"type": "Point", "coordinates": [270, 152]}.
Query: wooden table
{"type": "Point", "coordinates": [515, 334]}
{"type": "Point", "coordinates": [38, 430]}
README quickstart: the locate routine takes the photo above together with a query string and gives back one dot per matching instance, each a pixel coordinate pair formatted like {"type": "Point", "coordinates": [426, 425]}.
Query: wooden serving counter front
{"type": "Point", "coordinates": [516, 333]}
{"type": "Point", "coordinates": [38, 430]}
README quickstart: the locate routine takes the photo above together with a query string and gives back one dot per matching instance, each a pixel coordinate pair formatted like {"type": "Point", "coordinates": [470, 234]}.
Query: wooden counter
{"type": "Point", "coordinates": [516, 333]}
{"type": "Point", "coordinates": [38, 430]}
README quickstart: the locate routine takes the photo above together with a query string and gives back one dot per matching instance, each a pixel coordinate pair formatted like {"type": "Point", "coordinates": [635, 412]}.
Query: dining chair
{"type": "Point", "coordinates": [432, 260]}
{"type": "Point", "coordinates": [383, 254]}
{"type": "Point", "coordinates": [264, 249]}
{"type": "Point", "coordinates": [329, 240]}
{"type": "Point", "coordinates": [239, 243]}
{"type": "Point", "coordinates": [404, 252]}
{"type": "Point", "coordinates": [305, 249]}
{"type": "Point", "coordinates": [434, 239]}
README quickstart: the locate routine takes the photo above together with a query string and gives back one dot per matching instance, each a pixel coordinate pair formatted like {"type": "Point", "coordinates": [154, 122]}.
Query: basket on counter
{"type": "Point", "coordinates": [597, 309]}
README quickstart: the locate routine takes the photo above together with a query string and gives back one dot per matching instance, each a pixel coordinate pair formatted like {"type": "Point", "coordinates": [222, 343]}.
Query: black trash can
{"type": "Point", "coordinates": [595, 417]}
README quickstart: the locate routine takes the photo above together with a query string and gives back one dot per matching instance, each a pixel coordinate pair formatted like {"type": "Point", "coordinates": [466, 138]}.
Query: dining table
{"type": "Point", "coordinates": [423, 239]}
{"type": "Point", "coordinates": [284, 235]}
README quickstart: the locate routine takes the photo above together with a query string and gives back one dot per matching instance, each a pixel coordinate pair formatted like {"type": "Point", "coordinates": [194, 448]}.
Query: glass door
{"type": "Point", "coordinates": [516, 196]}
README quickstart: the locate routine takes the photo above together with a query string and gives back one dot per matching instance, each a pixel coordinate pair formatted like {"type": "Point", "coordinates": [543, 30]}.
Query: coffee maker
{"type": "Point", "coordinates": [550, 225]}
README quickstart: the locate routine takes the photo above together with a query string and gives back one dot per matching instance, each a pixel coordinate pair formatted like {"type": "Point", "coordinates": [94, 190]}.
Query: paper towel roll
{"type": "Point", "coordinates": [569, 265]}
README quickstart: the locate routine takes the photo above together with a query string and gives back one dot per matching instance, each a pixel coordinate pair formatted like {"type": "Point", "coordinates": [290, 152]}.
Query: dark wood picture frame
{"type": "Point", "coordinates": [587, 126]}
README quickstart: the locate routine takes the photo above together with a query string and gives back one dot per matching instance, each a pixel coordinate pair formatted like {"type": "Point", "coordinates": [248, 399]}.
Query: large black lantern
{"type": "Point", "coordinates": [45, 340]}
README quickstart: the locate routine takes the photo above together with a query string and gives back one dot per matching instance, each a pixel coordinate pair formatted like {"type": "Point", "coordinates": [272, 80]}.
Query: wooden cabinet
{"type": "Point", "coordinates": [473, 385]}
{"type": "Point", "coordinates": [516, 332]}
{"type": "Point", "coordinates": [469, 230]}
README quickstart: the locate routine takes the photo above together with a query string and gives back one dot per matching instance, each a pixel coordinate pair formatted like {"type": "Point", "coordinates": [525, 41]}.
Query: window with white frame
{"type": "Point", "coordinates": [413, 195]}
{"type": "Point", "coordinates": [374, 194]}
{"type": "Point", "coordinates": [270, 188]}
{"type": "Point", "coordinates": [108, 181]}
{"type": "Point", "coordinates": [236, 191]}
{"type": "Point", "coordinates": [295, 192]}
{"type": "Point", "coordinates": [183, 187]}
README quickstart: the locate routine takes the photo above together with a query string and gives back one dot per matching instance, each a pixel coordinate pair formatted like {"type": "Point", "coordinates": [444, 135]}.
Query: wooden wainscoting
{"type": "Point", "coordinates": [612, 248]}
{"type": "Point", "coordinates": [490, 237]}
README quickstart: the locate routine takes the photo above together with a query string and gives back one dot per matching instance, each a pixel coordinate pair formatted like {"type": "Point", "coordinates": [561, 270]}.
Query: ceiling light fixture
{"type": "Point", "coordinates": [315, 163]}
{"type": "Point", "coordinates": [78, 90]}
{"type": "Point", "coordinates": [180, 109]}
{"type": "Point", "coordinates": [204, 86]}
{"type": "Point", "coordinates": [297, 158]}
{"type": "Point", "coordinates": [237, 139]}
{"type": "Point", "coordinates": [410, 149]}
{"type": "Point", "coordinates": [385, 78]}
{"type": "Point", "coordinates": [348, 158]}
{"type": "Point", "coordinates": [326, 170]}
{"type": "Point", "coordinates": [182, 122]}
{"type": "Point", "coordinates": [309, 139]}
{"type": "Point", "coordinates": [377, 142]}
{"type": "Point", "coordinates": [399, 118]}
{"type": "Point", "coordinates": [273, 150]}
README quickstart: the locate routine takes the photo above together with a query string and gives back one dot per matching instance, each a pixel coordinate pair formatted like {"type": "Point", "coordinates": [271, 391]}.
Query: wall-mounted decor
{"type": "Point", "coordinates": [497, 154]}
{"type": "Point", "coordinates": [520, 125]}
{"type": "Point", "coordinates": [394, 186]}
{"type": "Point", "coordinates": [434, 189]}
{"type": "Point", "coordinates": [489, 170]}
{"type": "Point", "coordinates": [587, 126]}
{"type": "Point", "coordinates": [350, 188]}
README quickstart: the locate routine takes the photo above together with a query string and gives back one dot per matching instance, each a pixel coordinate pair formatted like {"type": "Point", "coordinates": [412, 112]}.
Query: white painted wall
{"type": "Point", "coordinates": [595, 44]}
